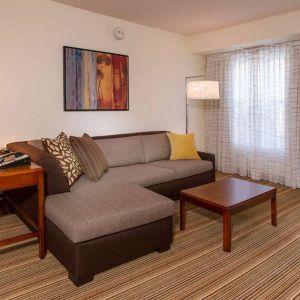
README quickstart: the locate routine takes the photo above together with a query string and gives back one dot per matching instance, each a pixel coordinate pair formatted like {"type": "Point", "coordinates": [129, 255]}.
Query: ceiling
{"type": "Point", "coordinates": [187, 16]}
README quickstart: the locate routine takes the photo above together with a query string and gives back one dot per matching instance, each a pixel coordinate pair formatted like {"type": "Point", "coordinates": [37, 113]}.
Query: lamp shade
{"type": "Point", "coordinates": [203, 90]}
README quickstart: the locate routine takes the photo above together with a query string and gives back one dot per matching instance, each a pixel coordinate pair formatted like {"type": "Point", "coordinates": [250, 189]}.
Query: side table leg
{"type": "Point", "coordinates": [41, 216]}
{"type": "Point", "coordinates": [182, 214]}
{"type": "Point", "coordinates": [274, 210]}
{"type": "Point", "coordinates": [3, 205]}
{"type": "Point", "coordinates": [226, 230]}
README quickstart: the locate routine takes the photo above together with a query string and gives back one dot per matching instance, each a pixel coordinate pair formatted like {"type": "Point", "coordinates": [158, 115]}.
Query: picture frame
{"type": "Point", "coordinates": [95, 80]}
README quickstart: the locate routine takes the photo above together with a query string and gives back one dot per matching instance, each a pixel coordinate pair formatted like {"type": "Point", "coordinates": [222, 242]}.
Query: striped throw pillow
{"type": "Point", "coordinates": [90, 156]}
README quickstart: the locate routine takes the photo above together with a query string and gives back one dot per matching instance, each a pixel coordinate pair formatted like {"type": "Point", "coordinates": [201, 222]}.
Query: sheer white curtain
{"type": "Point", "coordinates": [254, 129]}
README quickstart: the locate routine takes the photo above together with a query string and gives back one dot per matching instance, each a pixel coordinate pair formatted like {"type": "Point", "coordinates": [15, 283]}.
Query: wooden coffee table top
{"type": "Point", "coordinates": [227, 193]}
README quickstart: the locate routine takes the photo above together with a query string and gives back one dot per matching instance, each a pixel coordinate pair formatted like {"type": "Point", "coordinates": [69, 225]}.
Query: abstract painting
{"type": "Point", "coordinates": [95, 80]}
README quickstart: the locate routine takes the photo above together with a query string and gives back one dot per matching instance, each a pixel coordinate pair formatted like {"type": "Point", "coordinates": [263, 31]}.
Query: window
{"type": "Point", "coordinates": [258, 101]}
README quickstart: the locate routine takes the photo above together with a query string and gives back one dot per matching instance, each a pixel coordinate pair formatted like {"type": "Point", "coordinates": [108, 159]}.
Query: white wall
{"type": "Point", "coordinates": [32, 34]}
{"type": "Point", "coordinates": [260, 32]}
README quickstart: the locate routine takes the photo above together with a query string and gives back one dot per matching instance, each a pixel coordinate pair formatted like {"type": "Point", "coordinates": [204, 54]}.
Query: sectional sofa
{"type": "Point", "coordinates": [92, 227]}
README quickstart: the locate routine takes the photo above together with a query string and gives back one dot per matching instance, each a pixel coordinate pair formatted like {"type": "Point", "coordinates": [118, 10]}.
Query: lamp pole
{"type": "Point", "coordinates": [187, 100]}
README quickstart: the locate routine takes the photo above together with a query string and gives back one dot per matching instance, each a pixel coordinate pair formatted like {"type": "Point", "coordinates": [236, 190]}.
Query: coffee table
{"type": "Point", "coordinates": [227, 197]}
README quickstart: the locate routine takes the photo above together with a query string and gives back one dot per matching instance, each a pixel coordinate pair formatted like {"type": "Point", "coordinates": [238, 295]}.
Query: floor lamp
{"type": "Point", "coordinates": [200, 90]}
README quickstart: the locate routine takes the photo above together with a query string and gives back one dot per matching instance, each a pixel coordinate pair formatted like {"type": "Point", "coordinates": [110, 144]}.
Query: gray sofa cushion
{"type": "Point", "coordinates": [122, 151]}
{"type": "Point", "coordinates": [93, 210]}
{"type": "Point", "coordinates": [156, 147]}
{"type": "Point", "coordinates": [184, 168]}
{"type": "Point", "coordinates": [140, 174]}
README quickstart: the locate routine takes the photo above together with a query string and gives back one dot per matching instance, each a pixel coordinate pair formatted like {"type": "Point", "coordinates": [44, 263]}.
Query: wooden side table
{"type": "Point", "coordinates": [23, 177]}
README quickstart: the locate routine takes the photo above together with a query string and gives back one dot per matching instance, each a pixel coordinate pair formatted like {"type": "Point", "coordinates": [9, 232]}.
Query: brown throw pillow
{"type": "Point", "coordinates": [90, 156]}
{"type": "Point", "coordinates": [61, 149]}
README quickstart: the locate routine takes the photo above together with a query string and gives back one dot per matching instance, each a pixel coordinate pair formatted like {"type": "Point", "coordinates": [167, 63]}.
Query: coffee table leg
{"type": "Point", "coordinates": [226, 230]}
{"type": "Point", "coordinates": [182, 214]}
{"type": "Point", "coordinates": [274, 211]}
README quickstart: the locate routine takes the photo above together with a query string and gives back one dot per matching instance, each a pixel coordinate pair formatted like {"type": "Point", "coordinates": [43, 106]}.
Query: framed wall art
{"type": "Point", "coordinates": [95, 80]}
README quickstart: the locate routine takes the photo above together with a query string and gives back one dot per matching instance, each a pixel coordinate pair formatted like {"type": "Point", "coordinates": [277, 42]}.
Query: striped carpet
{"type": "Point", "coordinates": [264, 262]}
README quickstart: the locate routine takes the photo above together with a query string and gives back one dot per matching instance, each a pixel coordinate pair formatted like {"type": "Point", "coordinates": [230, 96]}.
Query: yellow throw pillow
{"type": "Point", "coordinates": [182, 146]}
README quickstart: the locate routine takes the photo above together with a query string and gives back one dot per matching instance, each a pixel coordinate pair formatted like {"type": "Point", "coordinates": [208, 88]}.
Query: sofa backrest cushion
{"type": "Point", "coordinates": [122, 151]}
{"type": "Point", "coordinates": [156, 147]}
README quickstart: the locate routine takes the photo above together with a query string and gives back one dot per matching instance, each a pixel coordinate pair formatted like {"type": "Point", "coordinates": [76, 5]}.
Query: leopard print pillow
{"type": "Point", "coordinates": [61, 149]}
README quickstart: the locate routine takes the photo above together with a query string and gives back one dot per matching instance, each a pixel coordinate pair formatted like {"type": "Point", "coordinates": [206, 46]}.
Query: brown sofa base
{"type": "Point", "coordinates": [84, 260]}
{"type": "Point", "coordinates": [172, 189]}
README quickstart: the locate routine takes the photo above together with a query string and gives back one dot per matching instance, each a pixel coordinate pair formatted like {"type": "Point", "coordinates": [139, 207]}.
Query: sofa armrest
{"type": "Point", "coordinates": [208, 156]}
{"type": "Point", "coordinates": [56, 181]}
